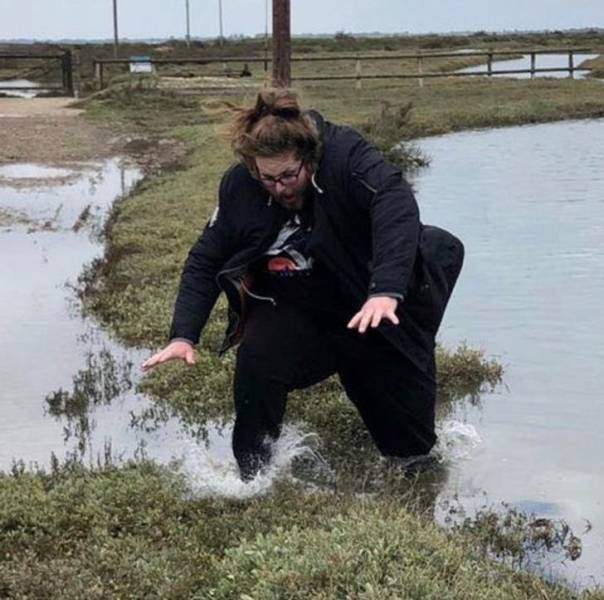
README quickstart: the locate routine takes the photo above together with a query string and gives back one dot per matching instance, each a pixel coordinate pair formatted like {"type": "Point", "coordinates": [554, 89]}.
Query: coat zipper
{"type": "Point", "coordinates": [239, 283]}
{"type": "Point", "coordinates": [256, 296]}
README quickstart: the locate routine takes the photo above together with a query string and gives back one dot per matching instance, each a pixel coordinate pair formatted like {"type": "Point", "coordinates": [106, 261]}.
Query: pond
{"type": "Point", "coordinates": [528, 202]}
{"type": "Point", "coordinates": [543, 61]}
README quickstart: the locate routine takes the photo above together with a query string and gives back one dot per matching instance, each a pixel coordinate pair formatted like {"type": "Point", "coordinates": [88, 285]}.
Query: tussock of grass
{"type": "Point", "coordinates": [386, 131]}
{"type": "Point", "coordinates": [515, 537]}
{"type": "Point", "coordinates": [466, 372]}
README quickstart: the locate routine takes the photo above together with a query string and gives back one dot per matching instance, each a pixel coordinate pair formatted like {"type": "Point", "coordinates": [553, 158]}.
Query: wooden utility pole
{"type": "Point", "coordinates": [220, 29]}
{"type": "Point", "coordinates": [116, 41]}
{"type": "Point", "coordinates": [282, 47]}
{"type": "Point", "coordinates": [188, 25]}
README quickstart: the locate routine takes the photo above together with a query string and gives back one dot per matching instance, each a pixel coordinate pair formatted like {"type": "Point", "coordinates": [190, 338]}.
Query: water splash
{"type": "Point", "coordinates": [456, 440]}
{"type": "Point", "coordinates": [211, 470]}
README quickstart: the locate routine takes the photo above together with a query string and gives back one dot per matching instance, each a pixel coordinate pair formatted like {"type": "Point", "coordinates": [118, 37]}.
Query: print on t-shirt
{"type": "Point", "coordinates": [289, 251]}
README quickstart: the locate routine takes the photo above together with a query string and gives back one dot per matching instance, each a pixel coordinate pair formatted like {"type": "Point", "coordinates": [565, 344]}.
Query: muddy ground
{"type": "Point", "coordinates": [46, 130]}
{"type": "Point", "coordinates": [49, 131]}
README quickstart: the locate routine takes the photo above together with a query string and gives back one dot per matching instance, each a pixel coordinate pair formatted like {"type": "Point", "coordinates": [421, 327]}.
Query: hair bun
{"type": "Point", "coordinates": [277, 102]}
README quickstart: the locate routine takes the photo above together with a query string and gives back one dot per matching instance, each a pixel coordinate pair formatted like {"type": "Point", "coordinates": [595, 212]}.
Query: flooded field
{"type": "Point", "coordinates": [543, 61]}
{"type": "Point", "coordinates": [529, 204]}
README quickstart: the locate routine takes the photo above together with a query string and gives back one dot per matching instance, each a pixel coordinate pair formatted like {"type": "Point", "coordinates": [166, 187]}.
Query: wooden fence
{"type": "Point", "coordinates": [421, 59]}
{"type": "Point", "coordinates": [66, 66]}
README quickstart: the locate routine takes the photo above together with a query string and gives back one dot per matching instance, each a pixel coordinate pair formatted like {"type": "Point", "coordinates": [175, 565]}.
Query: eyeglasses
{"type": "Point", "coordinates": [286, 178]}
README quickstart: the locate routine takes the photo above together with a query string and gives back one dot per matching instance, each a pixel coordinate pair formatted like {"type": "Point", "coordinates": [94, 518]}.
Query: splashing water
{"type": "Point", "coordinates": [456, 440]}
{"type": "Point", "coordinates": [211, 470]}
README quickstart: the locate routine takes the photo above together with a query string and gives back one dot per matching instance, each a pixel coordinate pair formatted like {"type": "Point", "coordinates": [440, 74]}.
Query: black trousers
{"type": "Point", "coordinates": [285, 348]}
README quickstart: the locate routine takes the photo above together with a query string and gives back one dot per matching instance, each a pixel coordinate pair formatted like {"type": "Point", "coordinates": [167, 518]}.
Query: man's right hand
{"type": "Point", "coordinates": [174, 350]}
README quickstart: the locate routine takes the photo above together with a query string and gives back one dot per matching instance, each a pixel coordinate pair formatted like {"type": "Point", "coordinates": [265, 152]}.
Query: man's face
{"type": "Point", "coordinates": [285, 177]}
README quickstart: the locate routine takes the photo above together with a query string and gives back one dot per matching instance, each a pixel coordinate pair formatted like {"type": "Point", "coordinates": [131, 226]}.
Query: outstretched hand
{"type": "Point", "coordinates": [372, 313]}
{"type": "Point", "coordinates": [174, 350]}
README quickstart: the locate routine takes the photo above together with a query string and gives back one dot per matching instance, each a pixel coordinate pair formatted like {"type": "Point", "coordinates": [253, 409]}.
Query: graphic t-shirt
{"type": "Point", "coordinates": [289, 254]}
{"type": "Point", "coordinates": [289, 272]}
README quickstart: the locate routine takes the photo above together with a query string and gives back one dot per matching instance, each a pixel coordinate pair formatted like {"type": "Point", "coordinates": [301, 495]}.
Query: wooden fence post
{"type": "Point", "coordinates": [97, 73]}
{"type": "Point", "coordinates": [359, 83]}
{"type": "Point", "coordinates": [490, 64]}
{"type": "Point", "coordinates": [77, 64]}
{"type": "Point", "coordinates": [533, 62]}
{"type": "Point", "coordinates": [420, 70]}
{"type": "Point", "coordinates": [67, 64]}
{"type": "Point", "coordinates": [63, 72]}
{"type": "Point", "coordinates": [571, 65]}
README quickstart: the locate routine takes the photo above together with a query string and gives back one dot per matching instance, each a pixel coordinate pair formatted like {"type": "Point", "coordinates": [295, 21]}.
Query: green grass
{"type": "Point", "coordinates": [137, 532]}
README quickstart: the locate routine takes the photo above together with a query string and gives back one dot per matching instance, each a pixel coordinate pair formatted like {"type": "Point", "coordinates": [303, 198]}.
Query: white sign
{"type": "Point", "coordinates": [140, 64]}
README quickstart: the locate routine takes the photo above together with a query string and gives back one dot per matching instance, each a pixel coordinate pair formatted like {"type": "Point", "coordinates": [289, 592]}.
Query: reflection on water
{"type": "Point", "coordinates": [18, 83]}
{"type": "Point", "coordinates": [529, 204]}
{"type": "Point", "coordinates": [98, 383]}
{"type": "Point", "coordinates": [42, 250]}
{"type": "Point", "coordinates": [10, 173]}
{"type": "Point", "coordinates": [542, 61]}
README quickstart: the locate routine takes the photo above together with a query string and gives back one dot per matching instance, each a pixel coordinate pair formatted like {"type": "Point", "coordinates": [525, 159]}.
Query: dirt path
{"type": "Point", "coordinates": [46, 130]}
{"type": "Point", "coordinates": [50, 132]}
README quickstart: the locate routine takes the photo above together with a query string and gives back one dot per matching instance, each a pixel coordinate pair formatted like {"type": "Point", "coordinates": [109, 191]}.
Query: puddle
{"type": "Point", "coordinates": [31, 175]}
{"type": "Point", "coordinates": [68, 390]}
{"type": "Point", "coordinates": [17, 83]}
{"type": "Point", "coordinates": [34, 172]}
{"type": "Point", "coordinates": [41, 255]}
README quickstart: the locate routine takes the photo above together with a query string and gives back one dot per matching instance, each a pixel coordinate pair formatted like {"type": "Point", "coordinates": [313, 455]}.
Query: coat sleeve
{"type": "Point", "coordinates": [198, 290]}
{"type": "Point", "coordinates": [395, 226]}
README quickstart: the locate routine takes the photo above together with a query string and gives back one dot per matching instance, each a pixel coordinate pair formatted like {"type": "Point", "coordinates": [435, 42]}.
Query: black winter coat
{"type": "Point", "coordinates": [366, 231]}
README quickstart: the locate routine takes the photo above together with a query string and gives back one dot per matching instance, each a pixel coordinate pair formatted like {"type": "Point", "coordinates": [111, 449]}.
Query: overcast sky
{"type": "Point", "coordinates": [92, 19]}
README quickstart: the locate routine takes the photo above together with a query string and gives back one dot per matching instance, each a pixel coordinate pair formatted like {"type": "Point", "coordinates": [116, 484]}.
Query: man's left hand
{"type": "Point", "coordinates": [372, 313]}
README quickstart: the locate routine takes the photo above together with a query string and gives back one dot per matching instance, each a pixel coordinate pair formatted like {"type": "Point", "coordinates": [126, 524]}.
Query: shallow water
{"type": "Point", "coordinates": [17, 83]}
{"type": "Point", "coordinates": [68, 390]}
{"type": "Point", "coordinates": [44, 340]}
{"type": "Point", "coordinates": [543, 61]}
{"type": "Point", "coordinates": [528, 202]}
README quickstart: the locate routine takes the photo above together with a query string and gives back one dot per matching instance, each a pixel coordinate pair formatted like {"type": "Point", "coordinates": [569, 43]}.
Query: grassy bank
{"type": "Point", "coordinates": [137, 532]}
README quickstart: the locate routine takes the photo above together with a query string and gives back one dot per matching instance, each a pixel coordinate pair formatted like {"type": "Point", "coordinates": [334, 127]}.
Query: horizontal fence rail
{"type": "Point", "coordinates": [358, 59]}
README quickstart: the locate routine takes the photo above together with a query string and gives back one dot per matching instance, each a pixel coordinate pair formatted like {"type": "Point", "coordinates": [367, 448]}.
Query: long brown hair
{"type": "Point", "coordinates": [274, 125]}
